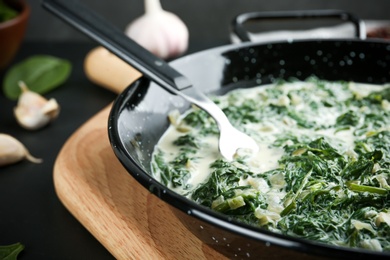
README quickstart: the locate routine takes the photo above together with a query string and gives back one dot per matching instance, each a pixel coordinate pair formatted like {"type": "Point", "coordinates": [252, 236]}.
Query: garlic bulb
{"type": "Point", "coordinates": [12, 151]}
{"type": "Point", "coordinates": [160, 32]}
{"type": "Point", "coordinates": [34, 111]}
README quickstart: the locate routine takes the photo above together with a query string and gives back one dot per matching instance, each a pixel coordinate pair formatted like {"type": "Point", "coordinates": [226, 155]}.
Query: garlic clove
{"type": "Point", "coordinates": [34, 111]}
{"type": "Point", "coordinates": [12, 151]}
{"type": "Point", "coordinates": [160, 32]}
{"type": "Point", "coordinates": [51, 108]}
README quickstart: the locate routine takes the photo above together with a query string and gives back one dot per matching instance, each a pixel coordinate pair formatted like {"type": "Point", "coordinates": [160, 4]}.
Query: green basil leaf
{"type": "Point", "coordinates": [41, 73]}
{"type": "Point", "coordinates": [10, 252]}
{"type": "Point", "coordinates": [6, 12]}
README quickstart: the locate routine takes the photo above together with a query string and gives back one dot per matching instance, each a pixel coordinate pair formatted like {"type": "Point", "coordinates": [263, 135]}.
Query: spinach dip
{"type": "Point", "coordinates": [323, 167]}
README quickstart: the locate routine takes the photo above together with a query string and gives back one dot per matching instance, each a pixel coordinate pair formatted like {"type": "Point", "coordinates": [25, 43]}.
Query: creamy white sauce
{"type": "Point", "coordinates": [265, 132]}
{"type": "Point", "coordinates": [285, 120]}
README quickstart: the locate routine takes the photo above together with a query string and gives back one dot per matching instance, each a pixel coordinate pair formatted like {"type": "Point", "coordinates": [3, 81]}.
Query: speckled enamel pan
{"type": "Point", "coordinates": [139, 118]}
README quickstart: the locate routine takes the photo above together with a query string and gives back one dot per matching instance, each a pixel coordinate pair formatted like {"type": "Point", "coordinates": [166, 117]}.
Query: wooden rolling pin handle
{"type": "Point", "coordinates": [107, 70]}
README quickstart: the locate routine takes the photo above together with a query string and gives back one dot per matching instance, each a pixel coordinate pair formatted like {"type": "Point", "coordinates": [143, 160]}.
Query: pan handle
{"type": "Point", "coordinates": [244, 35]}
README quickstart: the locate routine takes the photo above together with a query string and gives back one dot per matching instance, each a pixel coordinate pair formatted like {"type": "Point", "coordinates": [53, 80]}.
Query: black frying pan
{"type": "Point", "coordinates": [139, 118]}
{"type": "Point", "coordinates": [239, 66]}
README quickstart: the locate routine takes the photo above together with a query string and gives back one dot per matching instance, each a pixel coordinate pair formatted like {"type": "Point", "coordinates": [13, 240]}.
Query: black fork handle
{"type": "Point", "coordinates": [91, 24]}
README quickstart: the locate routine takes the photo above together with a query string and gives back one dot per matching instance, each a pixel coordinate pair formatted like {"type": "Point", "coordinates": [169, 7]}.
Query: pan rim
{"type": "Point", "coordinates": [205, 214]}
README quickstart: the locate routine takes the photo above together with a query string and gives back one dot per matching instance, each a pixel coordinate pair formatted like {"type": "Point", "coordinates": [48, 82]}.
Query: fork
{"type": "Point", "coordinates": [156, 69]}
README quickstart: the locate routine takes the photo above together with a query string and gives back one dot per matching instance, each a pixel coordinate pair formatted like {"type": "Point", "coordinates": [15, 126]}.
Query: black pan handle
{"type": "Point", "coordinates": [109, 36]}
{"type": "Point", "coordinates": [243, 34]}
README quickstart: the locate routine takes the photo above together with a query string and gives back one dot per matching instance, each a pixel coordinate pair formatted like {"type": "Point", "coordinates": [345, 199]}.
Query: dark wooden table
{"type": "Point", "coordinates": [31, 213]}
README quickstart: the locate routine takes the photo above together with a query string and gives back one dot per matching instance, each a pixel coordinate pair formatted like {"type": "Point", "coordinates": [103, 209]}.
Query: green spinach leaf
{"type": "Point", "coordinates": [41, 73]}
{"type": "Point", "coordinates": [10, 252]}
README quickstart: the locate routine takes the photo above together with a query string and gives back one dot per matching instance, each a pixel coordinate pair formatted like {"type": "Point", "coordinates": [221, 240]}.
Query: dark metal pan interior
{"type": "Point", "coordinates": [139, 115]}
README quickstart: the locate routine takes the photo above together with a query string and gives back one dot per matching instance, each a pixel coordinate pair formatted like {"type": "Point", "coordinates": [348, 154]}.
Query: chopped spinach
{"type": "Point", "coordinates": [329, 144]}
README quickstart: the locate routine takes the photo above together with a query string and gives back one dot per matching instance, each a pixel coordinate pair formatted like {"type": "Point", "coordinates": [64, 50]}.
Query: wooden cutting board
{"type": "Point", "coordinates": [92, 184]}
{"type": "Point", "coordinates": [128, 220]}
